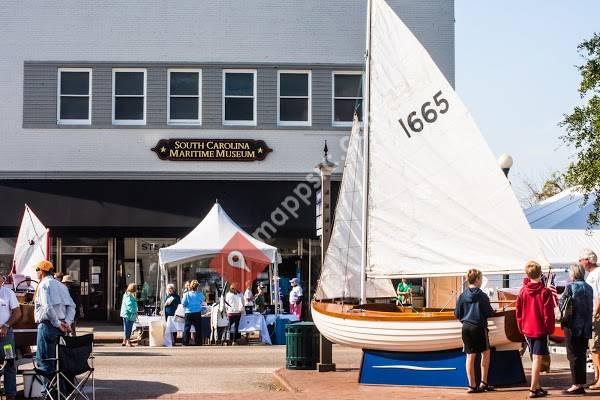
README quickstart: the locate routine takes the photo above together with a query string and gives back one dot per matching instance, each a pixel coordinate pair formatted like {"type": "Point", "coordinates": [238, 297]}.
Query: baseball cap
{"type": "Point", "coordinates": [44, 265]}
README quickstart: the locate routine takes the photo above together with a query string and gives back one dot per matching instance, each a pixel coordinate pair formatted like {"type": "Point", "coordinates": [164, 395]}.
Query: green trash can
{"type": "Point", "coordinates": [302, 345]}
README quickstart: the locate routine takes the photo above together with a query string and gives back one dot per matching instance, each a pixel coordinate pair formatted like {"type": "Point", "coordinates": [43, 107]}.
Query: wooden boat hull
{"type": "Point", "coordinates": [402, 331]}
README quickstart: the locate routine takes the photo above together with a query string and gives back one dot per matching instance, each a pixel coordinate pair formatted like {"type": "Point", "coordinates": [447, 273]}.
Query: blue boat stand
{"type": "Point", "coordinates": [440, 368]}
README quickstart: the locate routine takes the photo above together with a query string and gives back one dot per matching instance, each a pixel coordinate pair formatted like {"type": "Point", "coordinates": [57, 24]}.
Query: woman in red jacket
{"type": "Point", "coordinates": [535, 317]}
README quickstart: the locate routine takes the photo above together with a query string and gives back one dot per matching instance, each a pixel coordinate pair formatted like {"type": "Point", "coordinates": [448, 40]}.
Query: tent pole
{"type": "Point", "coordinates": [135, 255]}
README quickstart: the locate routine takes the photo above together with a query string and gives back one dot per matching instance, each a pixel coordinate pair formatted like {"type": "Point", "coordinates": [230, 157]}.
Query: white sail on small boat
{"type": "Point", "coordinates": [33, 245]}
{"type": "Point", "coordinates": [435, 204]}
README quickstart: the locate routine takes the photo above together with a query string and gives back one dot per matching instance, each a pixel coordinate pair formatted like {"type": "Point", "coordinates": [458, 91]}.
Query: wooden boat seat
{"type": "Point", "coordinates": [378, 307]}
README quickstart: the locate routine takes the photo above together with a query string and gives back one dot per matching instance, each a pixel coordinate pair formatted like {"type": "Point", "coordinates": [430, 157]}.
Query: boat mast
{"type": "Point", "coordinates": [365, 177]}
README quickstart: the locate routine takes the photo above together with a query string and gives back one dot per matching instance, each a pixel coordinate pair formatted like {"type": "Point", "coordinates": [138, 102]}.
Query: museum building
{"type": "Point", "coordinates": [122, 124]}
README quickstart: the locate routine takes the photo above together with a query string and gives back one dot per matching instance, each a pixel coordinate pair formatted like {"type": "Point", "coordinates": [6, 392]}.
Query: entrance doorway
{"type": "Point", "coordinates": [91, 272]}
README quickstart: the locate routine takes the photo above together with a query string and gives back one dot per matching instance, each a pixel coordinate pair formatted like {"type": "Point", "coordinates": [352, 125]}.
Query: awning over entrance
{"type": "Point", "coordinates": [124, 205]}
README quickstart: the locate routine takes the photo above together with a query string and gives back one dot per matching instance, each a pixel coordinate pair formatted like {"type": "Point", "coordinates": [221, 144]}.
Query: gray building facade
{"type": "Point", "coordinates": [90, 88]}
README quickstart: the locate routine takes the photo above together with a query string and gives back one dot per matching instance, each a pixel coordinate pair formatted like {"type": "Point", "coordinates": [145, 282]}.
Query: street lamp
{"type": "Point", "coordinates": [505, 161]}
{"type": "Point", "coordinates": [325, 167]}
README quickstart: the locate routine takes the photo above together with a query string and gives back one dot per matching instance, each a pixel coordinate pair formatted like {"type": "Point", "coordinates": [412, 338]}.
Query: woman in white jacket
{"type": "Point", "coordinates": [234, 306]}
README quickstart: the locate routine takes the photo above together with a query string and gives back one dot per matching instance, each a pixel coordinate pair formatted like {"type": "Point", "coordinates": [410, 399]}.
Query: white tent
{"type": "Point", "coordinates": [560, 223]}
{"type": "Point", "coordinates": [563, 246]}
{"type": "Point", "coordinates": [562, 211]}
{"type": "Point", "coordinates": [209, 238]}
{"type": "Point", "coordinates": [219, 235]}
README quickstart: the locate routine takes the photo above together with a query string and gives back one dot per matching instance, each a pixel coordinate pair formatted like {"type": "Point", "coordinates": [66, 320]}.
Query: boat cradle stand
{"type": "Point", "coordinates": [440, 368]}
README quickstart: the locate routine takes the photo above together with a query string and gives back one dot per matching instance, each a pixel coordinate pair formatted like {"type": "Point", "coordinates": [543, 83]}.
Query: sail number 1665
{"type": "Point", "coordinates": [429, 114]}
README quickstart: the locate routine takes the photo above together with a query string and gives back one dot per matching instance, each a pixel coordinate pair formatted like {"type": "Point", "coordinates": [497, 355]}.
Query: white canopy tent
{"type": "Point", "coordinates": [560, 223]}
{"type": "Point", "coordinates": [210, 237]}
{"type": "Point", "coordinates": [564, 210]}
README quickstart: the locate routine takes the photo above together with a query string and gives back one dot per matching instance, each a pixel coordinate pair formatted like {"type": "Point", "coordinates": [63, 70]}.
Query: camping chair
{"type": "Point", "coordinates": [74, 367]}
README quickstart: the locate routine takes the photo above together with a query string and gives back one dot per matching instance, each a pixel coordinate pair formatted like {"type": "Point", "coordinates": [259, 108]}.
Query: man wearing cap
{"type": "Point", "coordinates": [295, 298]}
{"type": "Point", "coordinates": [10, 313]}
{"type": "Point", "coordinates": [588, 260]}
{"type": "Point", "coordinates": [54, 313]}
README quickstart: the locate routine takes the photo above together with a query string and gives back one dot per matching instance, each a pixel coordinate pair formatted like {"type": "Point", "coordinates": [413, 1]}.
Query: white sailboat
{"type": "Point", "coordinates": [33, 245]}
{"type": "Point", "coordinates": [435, 204]}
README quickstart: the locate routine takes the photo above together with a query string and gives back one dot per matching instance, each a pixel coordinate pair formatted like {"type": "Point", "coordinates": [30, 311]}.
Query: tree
{"type": "Point", "coordinates": [583, 128]}
{"type": "Point", "coordinates": [551, 186]}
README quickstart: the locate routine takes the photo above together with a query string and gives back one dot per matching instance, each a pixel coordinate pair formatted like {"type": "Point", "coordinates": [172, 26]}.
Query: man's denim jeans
{"type": "Point", "coordinates": [47, 338]}
{"type": "Point", "coordinates": [10, 371]}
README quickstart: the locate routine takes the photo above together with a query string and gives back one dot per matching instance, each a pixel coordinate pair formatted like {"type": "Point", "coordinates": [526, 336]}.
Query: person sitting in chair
{"type": "Point", "coordinates": [404, 293]}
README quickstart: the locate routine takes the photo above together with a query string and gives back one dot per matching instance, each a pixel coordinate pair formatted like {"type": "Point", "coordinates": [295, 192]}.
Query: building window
{"type": "Point", "coordinates": [294, 98]}
{"type": "Point", "coordinates": [184, 96]}
{"type": "Point", "coordinates": [74, 96]}
{"type": "Point", "coordinates": [347, 96]}
{"type": "Point", "coordinates": [239, 97]}
{"type": "Point", "coordinates": [129, 96]}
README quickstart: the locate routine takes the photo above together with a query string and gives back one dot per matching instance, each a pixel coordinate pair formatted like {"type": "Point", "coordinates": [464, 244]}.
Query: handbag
{"type": "Point", "coordinates": [566, 310]}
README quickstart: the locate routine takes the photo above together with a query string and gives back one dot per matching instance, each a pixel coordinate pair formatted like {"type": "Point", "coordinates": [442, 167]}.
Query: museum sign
{"type": "Point", "coordinates": [211, 149]}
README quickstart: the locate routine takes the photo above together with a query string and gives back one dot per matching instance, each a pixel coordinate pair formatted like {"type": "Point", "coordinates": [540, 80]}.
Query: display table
{"type": "Point", "coordinates": [248, 323]}
{"type": "Point", "coordinates": [271, 318]}
{"type": "Point", "coordinates": [143, 321]}
{"type": "Point", "coordinates": [255, 323]}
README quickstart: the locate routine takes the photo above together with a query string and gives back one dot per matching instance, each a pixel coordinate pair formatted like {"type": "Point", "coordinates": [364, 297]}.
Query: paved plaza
{"type": "Point", "coordinates": [237, 372]}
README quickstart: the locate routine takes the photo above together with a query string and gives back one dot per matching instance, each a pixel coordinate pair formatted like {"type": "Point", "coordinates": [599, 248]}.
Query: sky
{"type": "Point", "coordinates": [516, 72]}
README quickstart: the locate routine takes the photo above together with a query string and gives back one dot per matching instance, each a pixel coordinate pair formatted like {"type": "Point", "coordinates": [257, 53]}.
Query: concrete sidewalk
{"type": "Point", "coordinates": [214, 372]}
{"type": "Point", "coordinates": [104, 332]}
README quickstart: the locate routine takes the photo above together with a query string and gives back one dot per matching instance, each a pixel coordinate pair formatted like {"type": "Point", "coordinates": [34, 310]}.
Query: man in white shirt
{"type": "Point", "coordinates": [10, 313]}
{"type": "Point", "coordinates": [295, 298]}
{"type": "Point", "coordinates": [248, 295]}
{"type": "Point", "coordinates": [588, 260]}
{"type": "Point", "coordinates": [54, 313]}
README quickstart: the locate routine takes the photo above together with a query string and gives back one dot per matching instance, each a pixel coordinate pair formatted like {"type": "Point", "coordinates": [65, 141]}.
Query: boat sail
{"type": "Point", "coordinates": [32, 245]}
{"type": "Point", "coordinates": [340, 273]}
{"type": "Point", "coordinates": [436, 203]}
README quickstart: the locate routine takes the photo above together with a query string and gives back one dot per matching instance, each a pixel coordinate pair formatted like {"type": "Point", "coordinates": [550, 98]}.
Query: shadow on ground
{"type": "Point", "coordinates": [131, 389]}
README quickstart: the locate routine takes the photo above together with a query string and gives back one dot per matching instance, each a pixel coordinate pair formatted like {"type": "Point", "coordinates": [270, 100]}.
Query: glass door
{"type": "Point", "coordinates": [90, 272]}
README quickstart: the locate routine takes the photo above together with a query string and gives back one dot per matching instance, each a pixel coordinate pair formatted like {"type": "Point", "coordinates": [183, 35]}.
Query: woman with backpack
{"type": "Point", "coordinates": [576, 306]}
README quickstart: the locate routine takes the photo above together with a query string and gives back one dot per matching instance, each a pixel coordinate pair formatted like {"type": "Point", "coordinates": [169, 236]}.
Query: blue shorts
{"type": "Point", "coordinates": [538, 346]}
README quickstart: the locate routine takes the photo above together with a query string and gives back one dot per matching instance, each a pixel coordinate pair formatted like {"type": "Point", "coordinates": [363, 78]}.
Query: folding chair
{"type": "Point", "coordinates": [74, 367]}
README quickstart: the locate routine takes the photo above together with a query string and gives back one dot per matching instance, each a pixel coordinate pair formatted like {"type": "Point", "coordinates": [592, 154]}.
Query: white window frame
{"type": "Point", "coordinates": [333, 98]}
{"type": "Point", "coordinates": [239, 123]}
{"type": "Point", "coordinates": [184, 121]}
{"type": "Point", "coordinates": [309, 97]}
{"type": "Point", "coordinates": [87, 121]}
{"type": "Point", "coordinates": [129, 121]}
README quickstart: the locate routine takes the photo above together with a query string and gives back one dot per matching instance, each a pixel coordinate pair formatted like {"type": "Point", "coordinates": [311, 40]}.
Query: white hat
{"type": "Point", "coordinates": [588, 254]}
{"type": "Point", "coordinates": [67, 279]}
{"type": "Point", "coordinates": [294, 281]}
